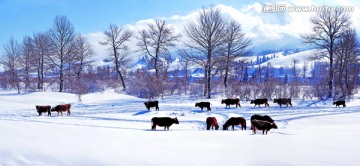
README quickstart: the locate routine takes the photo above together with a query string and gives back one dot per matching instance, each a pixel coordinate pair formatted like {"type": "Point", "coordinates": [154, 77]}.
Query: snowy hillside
{"type": "Point", "coordinates": [114, 129]}
{"type": "Point", "coordinates": [287, 61]}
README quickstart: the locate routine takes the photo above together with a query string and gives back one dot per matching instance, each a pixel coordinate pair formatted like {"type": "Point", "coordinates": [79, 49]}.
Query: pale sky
{"type": "Point", "coordinates": [91, 17]}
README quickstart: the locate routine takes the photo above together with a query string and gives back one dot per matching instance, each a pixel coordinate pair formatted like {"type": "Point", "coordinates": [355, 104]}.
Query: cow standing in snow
{"type": "Point", "coordinates": [165, 122]}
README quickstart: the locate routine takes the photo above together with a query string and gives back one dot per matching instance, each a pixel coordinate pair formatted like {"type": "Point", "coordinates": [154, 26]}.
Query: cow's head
{"type": "Point", "coordinates": [275, 100]}
{"type": "Point", "coordinates": [225, 127]}
{"type": "Point", "coordinates": [222, 101]}
{"type": "Point", "coordinates": [334, 103]}
{"type": "Point", "coordinates": [273, 125]}
{"type": "Point", "coordinates": [176, 121]}
{"type": "Point", "coordinates": [252, 102]}
{"type": "Point", "coordinates": [216, 127]}
{"type": "Point", "coordinates": [196, 104]}
{"type": "Point", "coordinates": [146, 103]}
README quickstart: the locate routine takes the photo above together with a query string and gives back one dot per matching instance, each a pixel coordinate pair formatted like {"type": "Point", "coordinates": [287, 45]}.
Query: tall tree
{"type": "Point", "coordinates": [83, 53]}
{"type": "Point", "coordinates": [156, 40]}
{"type": "Point", "coordinates": [347, 62]}
{"type": "Point", "coordinates": [327, 28]}
{"type": "Point", "coordinates": [63, 44]}
{"type": "Point", "coordinates": [116, 37]}
{"type": "Point", "coordinates": [11, 62]}
{"type": "Point", "coordinates": [27, 59]}
{"type": "Point", "coordinates": [206, 36]}
{"type": "Point", "coordinates": [41, 51]}
{"type": "Point", "coordinates": [236, 45]}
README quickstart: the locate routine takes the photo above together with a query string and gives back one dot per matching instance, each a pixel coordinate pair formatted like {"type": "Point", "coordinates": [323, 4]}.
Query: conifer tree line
{"type": "Point", "coordinates": [58, 59]}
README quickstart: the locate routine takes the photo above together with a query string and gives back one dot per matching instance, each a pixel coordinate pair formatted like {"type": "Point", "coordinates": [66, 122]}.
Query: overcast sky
{"type": "Point", "coordinates": [92, 17]}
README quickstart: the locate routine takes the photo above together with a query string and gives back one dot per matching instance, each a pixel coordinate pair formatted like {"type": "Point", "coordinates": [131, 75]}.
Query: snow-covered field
{"type": "Point", "coordinates": [114, 129]}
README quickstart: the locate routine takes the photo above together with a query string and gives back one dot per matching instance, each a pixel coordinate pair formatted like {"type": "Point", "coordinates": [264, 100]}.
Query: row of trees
{"type": "Point", "coordinates": [211, 41]}
{"type": "Point", "coordinates": [59, 48]}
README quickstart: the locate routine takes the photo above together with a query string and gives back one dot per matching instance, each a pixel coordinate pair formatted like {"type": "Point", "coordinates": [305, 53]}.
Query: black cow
{"type": "Point", "coordinates": [339, 102]}
{"type": "Point", "coordinates": [260, 101]}
{"type": "Point", "coordinates": [211, 122]}
{"type": "Point", "coordinates": [62, 108]}
{"type": "Point", "coordinates": [149, 104]}
{"type": "Point", "coordinates": [235, 121]}
{"type": "Point", "coordinates": [203, 104]}
{"type": "Point", "coordinates": [283, 101]}
{"type": "Point", "coordinates": [231, 101]}
{"type": "Point", "coordinates": [43, 108]}
{"type": "Point", "coordinates": [260, 117]}
{"type": "Point", "coordinates": [165, 122]}
{"type": "Point", "coordinates": [262, 125]}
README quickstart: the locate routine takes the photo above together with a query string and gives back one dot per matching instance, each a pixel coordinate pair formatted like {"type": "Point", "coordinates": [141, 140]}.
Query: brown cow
{"type": "Point", "coordinates": [260, 117]}
{"type": "Point", "coordinates": [265, 126]}
{"type": "Point", "coordinates": [62, 108]}
{"type": "Point", "coordinates": [163, 121]}
{"type": "Point", "coordinates": [260, 101]}
{"type": "Point", "coordinates": [154, 103]}
{"type": "Point", "coordinates": [339, 102]}
{"type": "Point", "coordinates": [231, 101]}
{"type": "Point", "coordinates": [235, 121]}
{"type": "Point", "coordinates": [203, 104]}
{"type": "Point", "coordinates": [211, 122]}
{"type": "Point", "coordinates": [43, 108]}
{"type": "Point", "coordinates": [283, 101]}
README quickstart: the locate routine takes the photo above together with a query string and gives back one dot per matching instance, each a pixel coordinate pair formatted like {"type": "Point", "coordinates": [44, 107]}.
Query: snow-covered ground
{"type": "Point", "coordinates": [114, 129]}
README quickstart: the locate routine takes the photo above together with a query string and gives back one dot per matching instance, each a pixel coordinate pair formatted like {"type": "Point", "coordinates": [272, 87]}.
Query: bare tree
{"type": "Point", "coordinates": [11, 63]}
{"type": "Point", "coordinates": [41, 51]}
{"type": "Point", "coordinates": [206, 35]}
{"type": "Point", "coordinates": [83, 52]}
{"type": "Point", "coordinates": [328, 27]}
{"type": "Point", "coordinates": [236, 45]}
{"type": "Point", "coordinates": [346, 63]}
{"type": "Point", "coordinates": [27, 59]}
{"type": "Point", "coordinates": [63, 43]}
{"type": "Point", "coordinates": [157, 40]}
{"type": "Point", "coordinates": [116, 37]}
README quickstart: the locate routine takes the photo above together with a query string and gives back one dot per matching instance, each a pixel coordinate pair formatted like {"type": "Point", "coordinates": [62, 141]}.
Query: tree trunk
{"type": "Point", "coordinates": [61, 78]}
{"type": "Point", "coordinates": [209, 76]}
{"type": "Point", "coordinates": [331, 74]}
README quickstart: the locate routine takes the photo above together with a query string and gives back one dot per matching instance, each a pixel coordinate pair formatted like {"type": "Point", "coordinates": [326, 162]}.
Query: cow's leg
{"type": "Point", "coordinates": [157, 108]}
{"type": "Point", "coordinates": [209, 109]}
{"type": "Point", "coordinates": [39, 113]}
{"type": "Point", "coordinates": [254, 130]}
{"type": "Point", "coordinates": [233, 127]}
{"type": "Point", "coordinates": [263, 132]}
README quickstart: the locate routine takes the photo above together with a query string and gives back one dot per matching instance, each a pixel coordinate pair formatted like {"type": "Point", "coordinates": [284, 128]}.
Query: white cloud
{"type": "Point", "coordinates": [263, 28]}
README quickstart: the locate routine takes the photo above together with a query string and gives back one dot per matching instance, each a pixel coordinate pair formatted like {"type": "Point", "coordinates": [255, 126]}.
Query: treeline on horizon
{"type": "Point", "coordinates": [59, 59]}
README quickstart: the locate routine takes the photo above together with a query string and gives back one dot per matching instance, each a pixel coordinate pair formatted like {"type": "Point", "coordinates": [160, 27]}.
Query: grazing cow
{"type": "Point", "coordinates": [203, 104]}
{"type": "Point", "coordinates": [260, 101]}
{"type": "Point", "coordinates": [43, 108]}
{"type": "Point", "coordinates": [283, 101]}
{"type": "Point", "coordinates": [163, 121]}
{"type": "Point", "coordinates": [262, 125]}
{"type": "Point", "coordinates": [211, 122]}
{"type": "Point", "coordinates": [339, 102]}
{"type": "Point", "coordinates": [62, 108]}
{"type": "Point", "coordinates": [149, 104]}
{"type": "Point", "coordinates": [235, 121]}
{"type": "Point", "coordinates": [259, 117]}
{"type": "Point", "coordinates": [231, 101]}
